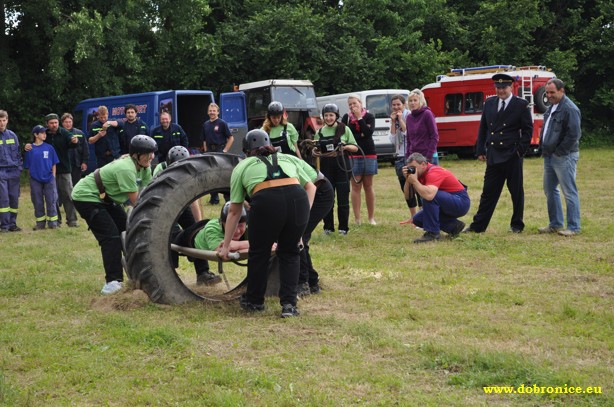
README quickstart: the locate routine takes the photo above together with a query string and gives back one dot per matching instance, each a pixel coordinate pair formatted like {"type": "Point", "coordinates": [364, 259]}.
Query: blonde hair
{"type": "Point", "coordinates": [268, 125]}
{"type": "Point", "coordinates": [102, 110]}
{"type": "Point", "coordinates": [355, 97]}
{"type": "Point", "coordinates": [66, 116]}
{"type": "Point", "coordinates": [421, 99]}
{"type": "Point", "coordinates": [212, 104]}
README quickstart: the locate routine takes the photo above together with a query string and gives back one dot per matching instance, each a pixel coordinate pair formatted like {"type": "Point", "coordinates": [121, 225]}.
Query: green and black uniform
{"type": "Point", "coordinates": [107, 218]}
{"type": "Point", "coordinates": [277, 214]}
{"type": "Point", "coordinates": [336, 169]}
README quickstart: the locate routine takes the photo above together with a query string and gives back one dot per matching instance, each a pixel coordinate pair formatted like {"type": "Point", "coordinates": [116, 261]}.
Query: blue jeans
{"type": "Point", "coordinates": [443, 211]}
{"type": "Point", "coordinates": [562, 171]}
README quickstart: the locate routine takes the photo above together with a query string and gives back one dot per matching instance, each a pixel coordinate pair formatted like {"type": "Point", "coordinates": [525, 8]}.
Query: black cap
{"type": "Point", "coordinates": [502, 80]}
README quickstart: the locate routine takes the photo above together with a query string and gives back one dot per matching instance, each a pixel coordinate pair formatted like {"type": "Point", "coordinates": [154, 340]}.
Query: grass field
{"type": "Point", "coordinates": [396, 323]}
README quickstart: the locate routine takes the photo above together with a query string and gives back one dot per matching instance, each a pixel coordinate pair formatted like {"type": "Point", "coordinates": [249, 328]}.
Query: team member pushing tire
{"type": "Point", "coordinates": [99, 197]}
{"type": "Point", "coordinates": [281, 196]}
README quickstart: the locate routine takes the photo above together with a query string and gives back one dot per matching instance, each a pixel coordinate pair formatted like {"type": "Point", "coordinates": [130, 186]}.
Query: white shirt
{"type": "Point", "coordinates": [547, 124]}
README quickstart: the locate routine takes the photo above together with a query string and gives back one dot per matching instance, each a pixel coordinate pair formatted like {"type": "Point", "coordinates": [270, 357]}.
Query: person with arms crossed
{"type": "Point", "coordinates": [560, 148]}
{"type": "Point", "coordinates": [504, 137]}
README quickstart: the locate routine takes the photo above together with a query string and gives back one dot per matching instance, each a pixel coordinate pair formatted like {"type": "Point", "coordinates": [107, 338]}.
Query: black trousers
{"type": "Point", "coordinates": [276, 215]}
{"type": "Point", "coordinates": [186, 220]}
{"type": "Point", "coordinates": [322, 204]}
{"type": "Point", "coordinates": [332, 168]}
{"type": "Point", "coordinates": [496, 175]}
{"type": "Point", "coordinates": [106, 221]}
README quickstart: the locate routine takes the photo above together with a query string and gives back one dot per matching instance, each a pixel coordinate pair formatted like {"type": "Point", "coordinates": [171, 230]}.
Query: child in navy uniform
{"type": "Point", "coordinates": [41, 161]}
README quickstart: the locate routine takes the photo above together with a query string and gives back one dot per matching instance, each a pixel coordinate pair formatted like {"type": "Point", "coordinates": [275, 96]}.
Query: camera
{"type": "Point", "coordinates": [411, 170]}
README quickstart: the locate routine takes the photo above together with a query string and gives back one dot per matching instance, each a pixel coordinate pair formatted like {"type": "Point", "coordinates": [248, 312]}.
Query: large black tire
{"type": "Point", "coordinates": [148, 253]}
{"type": "Point", "coordinates": [541, 101]}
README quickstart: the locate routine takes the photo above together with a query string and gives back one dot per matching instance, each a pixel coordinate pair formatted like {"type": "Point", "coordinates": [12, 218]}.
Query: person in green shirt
{"type": "Point", "coordinates": [335, 138]}
{"type": "Point", "coordinates": [209, 234]}
{"type": "Point", "coordinates": [281, 195]}
{"type": "Point", "coordinates": [189, 217]}
{"type": "Point", "coordinates": [282, 133]}
{"type": "Point", "coordinates": [99, 197]}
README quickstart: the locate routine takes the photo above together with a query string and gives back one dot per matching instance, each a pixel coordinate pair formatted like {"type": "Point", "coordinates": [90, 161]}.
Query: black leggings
{"type": "Point", "coordinates": [106, 221]}
{"type": "Point", "coordinates": [322, 204]}
{"type": "Point", "coordinates": [276, 215]}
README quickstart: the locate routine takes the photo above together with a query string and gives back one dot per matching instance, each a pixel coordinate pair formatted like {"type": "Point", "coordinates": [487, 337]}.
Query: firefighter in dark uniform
{"type": "Point", "coordinates": [504, 138]}
{"type": "Point", "coordinates": [281, 196]}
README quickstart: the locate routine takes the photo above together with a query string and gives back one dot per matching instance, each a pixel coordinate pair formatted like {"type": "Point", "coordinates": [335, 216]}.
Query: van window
{"type": "Point", "coordinates": [474, 102]}
{"type": "Point", "coordinates": [378, 106]}
{"type": "Point", "coordinates": [453, 103]}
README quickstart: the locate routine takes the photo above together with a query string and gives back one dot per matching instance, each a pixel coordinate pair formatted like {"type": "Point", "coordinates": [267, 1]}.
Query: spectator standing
{"type": "Point", "coordinates": [11, 165]}
{"type": "Point", "coordinates": [131, 127]}
{"type": "Point", "coordinates": [168, 135]}
{"type": "Point", "coordinates": [560, 146]}
{"type": "Point", "coordinates": [335, 165]}
{"type": "Point", "coordinates": [216, 138]}
{"type": "Point", "coordinates": [41, 160]}
{"type": "Point", "coordinates": [62, 141]}
{"type": "Point", "coordinates": [79, 155]}
{"type": "Point", "coordinates": [398, 137]}
{"type": "Point", "coordinates": [364, 167]}
{"type": "Point", "coordinates": [105, 137]}
{"type": "Point", "coordinates": [504, 137]}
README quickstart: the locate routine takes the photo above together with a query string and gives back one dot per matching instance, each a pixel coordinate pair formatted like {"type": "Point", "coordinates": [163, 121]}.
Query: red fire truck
{"type": "Point", "coordinates": [457, 100]}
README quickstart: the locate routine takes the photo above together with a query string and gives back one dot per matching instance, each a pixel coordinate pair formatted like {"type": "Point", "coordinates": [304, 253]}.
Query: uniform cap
{"type": "Point", "coordinates": [502, 80]}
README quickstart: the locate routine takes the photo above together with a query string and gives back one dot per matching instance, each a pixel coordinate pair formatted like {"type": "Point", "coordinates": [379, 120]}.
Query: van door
{"type": "Point", "coordinates": [379, 106]}
{"type": "Point", "coordinates": [234, 113]}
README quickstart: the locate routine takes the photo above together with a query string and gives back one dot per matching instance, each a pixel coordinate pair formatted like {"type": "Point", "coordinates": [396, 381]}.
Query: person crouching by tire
{"type": "Point", "coordinates": [334, 166]}
{"type": "Point", "coordinates": [188, 217]}
{"type": "Point", "coordinates": [99, 197]}
{"type": "Point", "coordinates": [281, 196]}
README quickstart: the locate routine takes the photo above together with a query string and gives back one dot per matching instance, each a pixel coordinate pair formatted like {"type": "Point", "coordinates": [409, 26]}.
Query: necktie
{"type": "Point", "coordinates": [502, 106]}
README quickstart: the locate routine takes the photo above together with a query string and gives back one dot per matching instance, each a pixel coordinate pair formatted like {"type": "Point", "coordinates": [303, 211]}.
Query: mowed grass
{"type": "Point", "coordinates": [396, 324]}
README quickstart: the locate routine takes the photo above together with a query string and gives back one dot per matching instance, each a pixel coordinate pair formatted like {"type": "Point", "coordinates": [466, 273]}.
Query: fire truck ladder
{"type": "Point", "coordinates": [526, 88]}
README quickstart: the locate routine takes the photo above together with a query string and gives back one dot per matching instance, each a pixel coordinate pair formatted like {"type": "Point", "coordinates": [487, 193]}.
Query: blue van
{"type": "Point", "coordinates": [188, 108]}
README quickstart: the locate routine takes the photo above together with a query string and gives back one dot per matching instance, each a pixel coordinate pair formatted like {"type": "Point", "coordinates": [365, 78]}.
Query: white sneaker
{"type": "Point", "coordinates": [111, 287]}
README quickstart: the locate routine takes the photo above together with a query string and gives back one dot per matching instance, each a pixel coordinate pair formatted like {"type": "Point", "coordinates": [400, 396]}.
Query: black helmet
{"type": "Point", "coordinates": [224, 213]}
{"type": "Point", "coordinates": [330, 108]}
{"type": "Point", "coordinates": [275, 109]}
{"type": "Point", "coordinates": [177, 153]}
{"type": "Point", "coordinates": [255, 139]}
{"type": "Point", "coordinates": [142, 144]}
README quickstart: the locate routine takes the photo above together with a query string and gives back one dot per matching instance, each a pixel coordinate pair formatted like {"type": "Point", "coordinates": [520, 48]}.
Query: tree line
{"type": "Point", "coordinates": [54, 53]}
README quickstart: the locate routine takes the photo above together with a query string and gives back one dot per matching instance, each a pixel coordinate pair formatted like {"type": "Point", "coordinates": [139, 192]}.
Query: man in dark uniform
{"type": "Point", "coordinates": [133, 126]}
{"type": "Point", "coordinates": [167, 136]}
{"type": "Point", "coordinates": [504, 138]}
